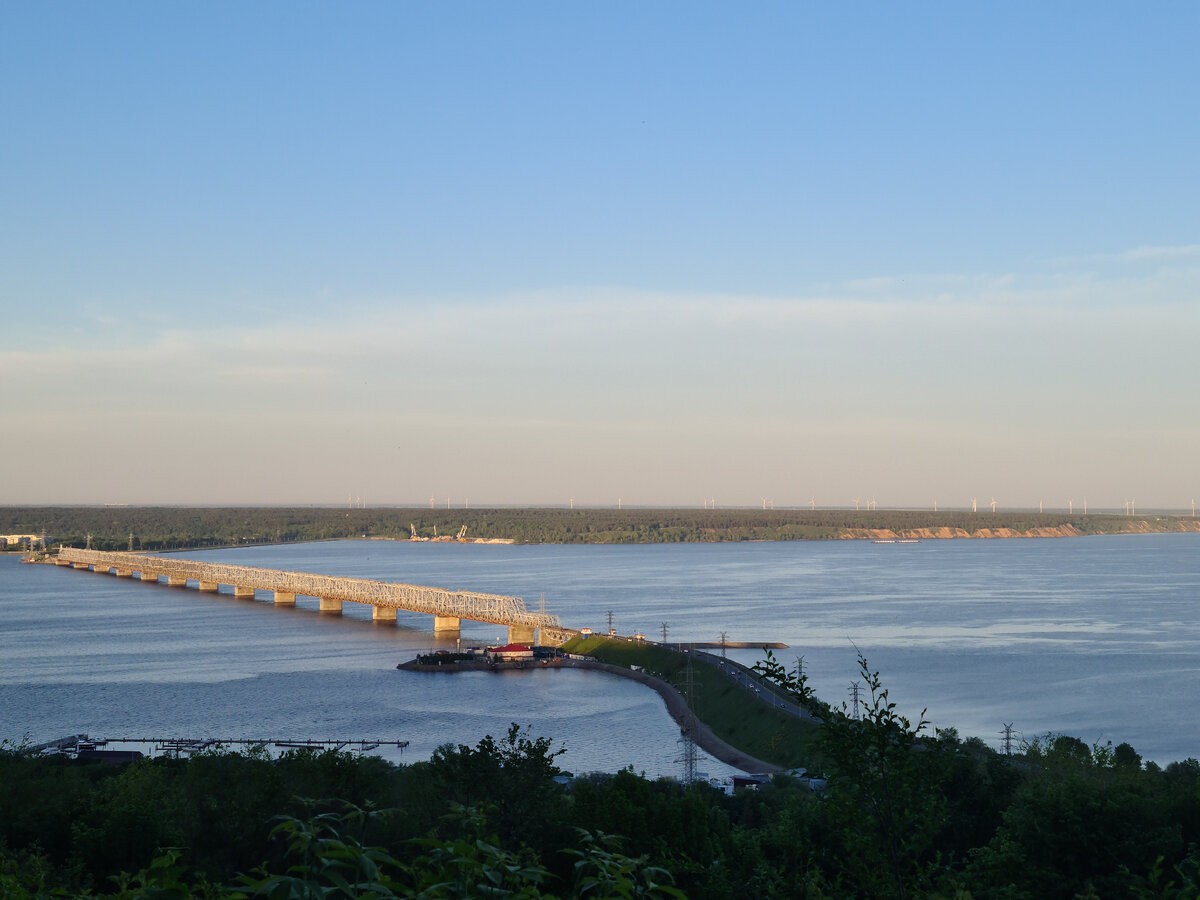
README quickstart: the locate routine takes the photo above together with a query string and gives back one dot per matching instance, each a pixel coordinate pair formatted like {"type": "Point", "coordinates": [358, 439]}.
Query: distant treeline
{"type": "Point", "coordinates": [176, 528]}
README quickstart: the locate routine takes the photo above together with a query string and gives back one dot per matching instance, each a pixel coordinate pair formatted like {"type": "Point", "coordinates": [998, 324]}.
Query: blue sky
{"type": "Point", "coordinates": [528, 252]}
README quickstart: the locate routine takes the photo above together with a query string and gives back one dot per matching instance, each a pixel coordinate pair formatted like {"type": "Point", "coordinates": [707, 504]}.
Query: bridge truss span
{"type": "Point", "coordinates": [447, 606]}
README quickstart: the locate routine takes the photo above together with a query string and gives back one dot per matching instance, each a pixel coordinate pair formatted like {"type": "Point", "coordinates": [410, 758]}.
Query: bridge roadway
{"type": "Point", "coordinates": [447, 607]}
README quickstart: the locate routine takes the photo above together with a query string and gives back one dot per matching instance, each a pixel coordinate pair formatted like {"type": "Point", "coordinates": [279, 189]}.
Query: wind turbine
{"type": "Point", "coordinates": [993, 504]}
{"type": "Point", "coordinates": [1071, 507]}
{"type": "Point", "coordinates": [973, 509]}
{"type": "Point", "coordinates": [813, 504]}
{"type": "Point", "coordinates": [856, 499]}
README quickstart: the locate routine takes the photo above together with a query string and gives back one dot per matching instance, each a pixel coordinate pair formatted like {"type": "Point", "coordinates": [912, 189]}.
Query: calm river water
{"type": "Point", "coordinates": [1097, 637]}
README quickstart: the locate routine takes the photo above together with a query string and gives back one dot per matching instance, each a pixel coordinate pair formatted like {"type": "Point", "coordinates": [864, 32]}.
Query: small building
{"type": "Point", "coordinates": [510, 651]}
{"type": "Point", "coordinates": [29, 540]}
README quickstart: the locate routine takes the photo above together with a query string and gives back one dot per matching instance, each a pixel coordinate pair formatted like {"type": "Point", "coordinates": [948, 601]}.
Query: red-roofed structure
{"type": "Point", "coordinates": [510, 651]}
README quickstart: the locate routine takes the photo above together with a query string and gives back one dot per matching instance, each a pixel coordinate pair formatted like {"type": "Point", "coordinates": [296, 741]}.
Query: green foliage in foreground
{"type": "Point", "coordinates": [905, 814]}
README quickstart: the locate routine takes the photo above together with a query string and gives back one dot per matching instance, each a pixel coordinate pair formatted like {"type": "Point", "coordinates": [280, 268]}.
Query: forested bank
{"type": "Point", "coordinates": [905, 814]}
{"type": "Point", "coordinates": [176, 528]}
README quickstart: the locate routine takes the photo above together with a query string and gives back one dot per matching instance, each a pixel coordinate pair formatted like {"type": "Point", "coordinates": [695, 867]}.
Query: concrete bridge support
{"type": "Point", "coordinates": [522, 634]}
{"type": "Point", "coordinates": [448, 608]}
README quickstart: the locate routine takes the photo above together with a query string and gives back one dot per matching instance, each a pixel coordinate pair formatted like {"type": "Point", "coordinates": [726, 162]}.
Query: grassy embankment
{"type": "Point", "coordinates": [741, 719]}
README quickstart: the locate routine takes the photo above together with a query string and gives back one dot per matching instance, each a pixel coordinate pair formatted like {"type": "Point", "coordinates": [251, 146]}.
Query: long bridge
{"type": "Point", "coordinates": [447, 607]}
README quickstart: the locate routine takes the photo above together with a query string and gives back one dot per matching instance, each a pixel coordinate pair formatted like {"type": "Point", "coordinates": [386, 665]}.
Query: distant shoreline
{"type": "Point", "coordinates": [175, 529]}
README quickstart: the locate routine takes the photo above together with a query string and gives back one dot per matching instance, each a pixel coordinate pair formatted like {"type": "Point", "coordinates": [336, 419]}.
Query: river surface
{"type": "Point", "coordinates": [1097, 637]}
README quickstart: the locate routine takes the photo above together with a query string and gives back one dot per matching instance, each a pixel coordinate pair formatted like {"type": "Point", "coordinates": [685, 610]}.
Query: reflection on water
{"type": "Point", "coordinates": [1092, 636]}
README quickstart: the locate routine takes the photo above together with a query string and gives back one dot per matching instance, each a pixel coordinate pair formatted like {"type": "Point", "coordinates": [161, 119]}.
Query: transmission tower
{"type": "Point", "coordinates": [610, 625]}
{"type": "Point", "coordinates": [1007, 734]}
{"type": "Point", "coordinates": [854, 686]}
{"type": "Point", "coordinates": [131, 542]}
{"type": "Point", "coordinates": [724, 638]}
{"type": "Point", "coordinates": [664, 632]}
{"type": "Point", "coordinates": [686, 736]}
{"type": "Point", "coordinates": [88, 546]}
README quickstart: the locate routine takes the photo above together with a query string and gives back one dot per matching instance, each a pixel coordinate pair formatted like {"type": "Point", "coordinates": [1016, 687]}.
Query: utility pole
{"type": "Point", "coordinates": [1008, 738]}
{"type": "Point", "coordinates": [686, 736]}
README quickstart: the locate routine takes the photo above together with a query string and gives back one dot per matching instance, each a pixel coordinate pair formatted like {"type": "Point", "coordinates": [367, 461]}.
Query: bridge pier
{"type": "Point", "coordinates": [448, 608]}
{"type": "Point", "coordinates": [333, 606]}
{"type": "Point", "coordinates": [522, 634]}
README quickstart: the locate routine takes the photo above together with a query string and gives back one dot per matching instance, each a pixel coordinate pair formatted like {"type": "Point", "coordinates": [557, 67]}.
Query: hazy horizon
{"type": "Point", "coordinates": [294, 255]}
